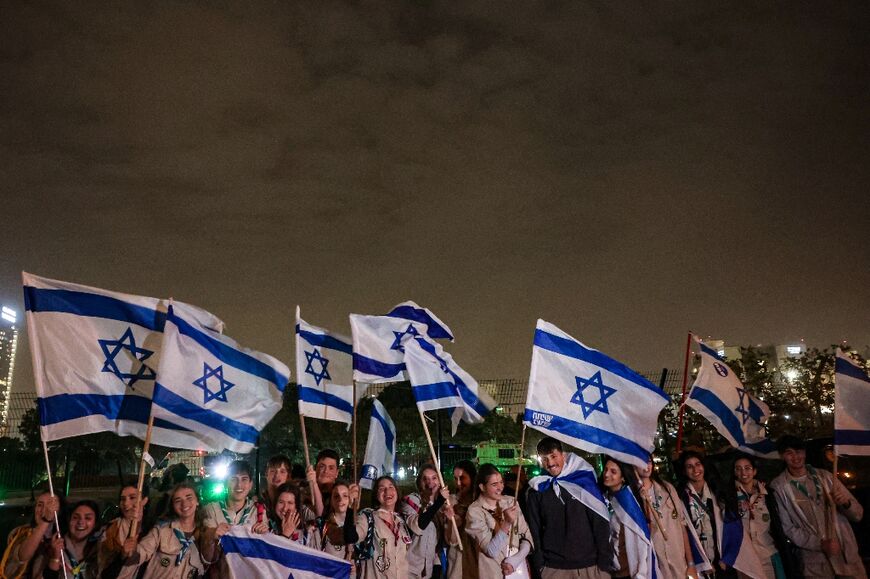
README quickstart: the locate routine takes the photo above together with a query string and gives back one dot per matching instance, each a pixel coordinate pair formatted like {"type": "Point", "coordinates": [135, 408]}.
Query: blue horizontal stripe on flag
{"type": "Point", "coordinates": [63, 407]}
{"type": "Point", "coordinates": [166, 398]}
{"type": "Point", "coordinates": [314, 396]}
{"type": "Point", "coordinates": [729, 420]}
{"type": "Point", "coordinates": [301, 560]}
{"type": "Point", "coordinates": [844, 367]}
{"type": "Point", "coordinates": [732, 540]}
{"type": "Point", "coordinates": [388, 432]}
{"type": "Point", "coordinates": [573, 349]}
{"type": "Point", "coordinates": [710, 351]}
{"type": "Point", "coordinates": [435, 391]}
{"type": "Point", "coordinates": [376, 367]}
{"type": "Point", "coordinates": [592, 434]}
{"type": "Point", "coordinates": [469, 398]}
{"type": "Point", "coordinates": [629, 504]}
{"type": "Point", "coordinates": [91, 305]}
{"type": "Point", "coordinates": [229, 355]}
{"type": "Point", "coordinates": [324, 341]}
{"type": "Point", "coordinates": [435, 330]}
{"type": "Point", "coordinates": [852, 437]}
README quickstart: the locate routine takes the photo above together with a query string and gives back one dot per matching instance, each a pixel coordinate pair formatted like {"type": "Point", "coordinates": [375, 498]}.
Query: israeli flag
{"type": "Point", "coordinates": [324, 373]}
{"type": "Point", "coordinates": [439, 382]}
{"type": "Point", "coordinates": [208, 383]}
{"type": "Point", "coordinates": [268, 555]}
{"type": "Point", "coordinates": [95, 357]}
{"type": "Point", "coordinates": [378, 350]}
{"type": "Point", "coordinates": [851, 408]}
{"type": "Point", "coordinates": [381, 457]}
{"type": "Point", "coordinates": [578, 480]}
{"type": "Point", "coordinates": [719, 396]}
{"type": "Point", "coordinates": [737, 549]}
{"type": "Point", "coordinates": [638, 540]}
{"type": "Point", "coordinates": [590, 401]}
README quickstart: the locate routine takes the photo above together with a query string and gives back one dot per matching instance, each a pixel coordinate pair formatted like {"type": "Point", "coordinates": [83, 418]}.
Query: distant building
{"type": "Point", "coordinates": [777, 355]}
{"type": "Point", "coordinates": [8, 346]}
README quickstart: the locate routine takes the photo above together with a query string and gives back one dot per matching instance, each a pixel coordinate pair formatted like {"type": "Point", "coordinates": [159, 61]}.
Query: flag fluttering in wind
{"type": "Point", "coordinates": [95, 359]}
{"type": "Point", "coordinates": [269, 555]}
{"type": "Point", "coordinates": [211, 385]}
{"type": "Point", "coordinates": [324, 373]}
{"type": "Point", "coordinates": [381, 457]}
{"type": "Point", "coordinates": [719, 396]}
{"type": "Point", "coordinates": [851, 408]}
{"type": "Point", "coordinates": [588, 400]}
{"type": "Point", "coordinates": [378, 353]}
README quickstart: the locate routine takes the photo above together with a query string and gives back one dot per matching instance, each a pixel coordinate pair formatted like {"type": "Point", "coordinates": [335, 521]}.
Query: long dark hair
{"type": "Point", "coordinates": [293, 489]}
{"type": "Point", "coordinates": [728, 495]}
{"type": "Point", "coordinates": [375, 503]}
{"type": "Point", "coordinates": [486, 471]}
{"type": "Point", "coordinates": [92, 544]}
{"type": "Point", "coordinates": [629, 477]}
{"type": "Point", "coordinates": [711, 475]}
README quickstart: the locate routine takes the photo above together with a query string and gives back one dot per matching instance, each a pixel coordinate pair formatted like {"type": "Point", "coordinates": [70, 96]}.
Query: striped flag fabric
{"type": "Point", "coordinates": [851, 407]}
{"type": "Point", "coordinates": [590, 401]}
{"type": "Point", "coordinates": [381, 457]}
{"type": "Point", "coordinates": [208, 383]}
{"type": "Point", "coordinates": [324, 373]}
{"type": "Point", "coordinates": [638, 540]}
{"type": "Point", "coordinates": [268, 555]}
{"type": "Point", "coordinates": [718, 395]}
{"type": "Point", "coordinates": [95, 359]}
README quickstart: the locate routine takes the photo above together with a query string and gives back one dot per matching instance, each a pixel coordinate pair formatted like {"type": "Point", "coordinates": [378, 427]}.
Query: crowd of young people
{"type": "Point", "coordinates": [797, 526]}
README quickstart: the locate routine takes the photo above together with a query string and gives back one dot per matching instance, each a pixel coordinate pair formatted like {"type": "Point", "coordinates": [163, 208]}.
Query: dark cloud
{"type": "Point", "coordinates": [624, 171]}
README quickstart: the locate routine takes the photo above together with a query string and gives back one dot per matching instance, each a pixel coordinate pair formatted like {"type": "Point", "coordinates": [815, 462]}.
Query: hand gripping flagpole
{"type": "Point", "coordinates": [56, 519]}
{"type": "Point", "coordinates": [437, 464]}
{"type": "Point", "coordinates": [140, 484]}
{"type": "Point", "coordinates": [683, 399]}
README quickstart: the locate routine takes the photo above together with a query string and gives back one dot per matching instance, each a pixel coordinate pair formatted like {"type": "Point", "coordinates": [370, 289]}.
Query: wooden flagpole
{"type": "Point", "coordinates": [683, 400]}
{"type": "Point", "coordinates": [519, 483]}
{"type": "Point", "coordinates": [437, 468]}
{"type": "Point", "coordinates": [56, 519]}
{"type": "Point", "coordinates": [305, 448]}
{"type": "Point", "coordinates": [353, 465]}
{"type": "Point", "coordinates": [141, 482]}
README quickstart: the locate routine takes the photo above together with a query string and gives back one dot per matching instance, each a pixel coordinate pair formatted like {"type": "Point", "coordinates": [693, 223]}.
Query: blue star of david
{"type": "Point", "coordinates": [224, 386]}
{"type": "Point", "coordinates": [741, 406]}
{"type": "Point", "coordinates": [604, 392]}
{"type": "Point", "coordinates": [397, 343]}
{"type": "Point", "coordinates": [311, 357]}
{"type": "Point", "coordinates": [111, 349]}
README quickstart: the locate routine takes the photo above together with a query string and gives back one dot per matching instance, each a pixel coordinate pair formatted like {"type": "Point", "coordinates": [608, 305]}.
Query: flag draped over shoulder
{"type": "Point", "coordinates": [577, 479]}
{"type": "Point", "coordinates": [268, 555]}
{"type": "Point", "coordinates": [208, 383]}
{"type": "Point", "coordinates": [851, 408]}
{"type": "Point", "coordinates": [439, 382]}
{"type": "Point", "coordinates": [638, 540]}
{"type": "Point", "coordinates": [378, 353]}
{"type": "Point", "coordinates": [380, 457]}
{"type": "Point", "coordinates": [324, 373]}
{"type": "Point", "coordinates": [588, 400]}
{"type": "Point", "coordinates": [95, 359]}
{"type": "Point", "coordinates": [719, 396]}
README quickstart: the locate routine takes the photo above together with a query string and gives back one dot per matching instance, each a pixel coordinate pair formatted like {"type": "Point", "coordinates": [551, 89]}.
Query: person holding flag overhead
{"type": "Point", "coordinates": [816, 510]}
{"type": "Point", "coordinates": [568, 517]}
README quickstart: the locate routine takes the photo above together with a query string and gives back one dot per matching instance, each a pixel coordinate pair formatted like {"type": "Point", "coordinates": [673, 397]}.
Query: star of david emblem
{"type": "Point", "coordinates": [223, 385]}
{"type": "Point", "coordinates": [316, 356]}
{"type": "Point", "coordinates": [604, 392]}
{"type": "Point", "coordinates": [133, 360]}
{"type": "Point", "coordinates": [741, 406]}
{"type": "Point", "coordinates": [397, 343]}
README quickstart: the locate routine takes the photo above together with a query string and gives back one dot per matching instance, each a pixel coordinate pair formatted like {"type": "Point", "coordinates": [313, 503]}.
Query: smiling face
{"type": "Point", "coordinates": [339, 499]}
{"type": "Point", "coordinates": [463, 481]}
{"type": "Point", "coordinates": [493, 488]}
{"type": "Point", "coordinates": [327, 471]}
{"type": "Point", "coordinates": [127, 502]}
{"type": "Point", "coordinates": [184, 503]}
{"type": "Point", "coordinates": [612, 476]}
{"type": "Point", "coordinates": [744, 472]}
{"type": "Point", "coordinates": [277, 475]}
{"type": "Point", "coordinates": [429, 482]}
{"type": "Point", "coordinates": [39, 507]}
{"type": "Point", "coordinates": [387, 494]}
{"type": "Point", "coordinates": [795, 460]}
{"type": "Point", "coordinates": [694, 469]}
{"type": "Point", "coordinates": [645, 472]}
{"type": "Point", "coordinates": [82, 523]}
{"type": "Point", "coordinates": [240, 486]}
{"type": "Point", "coordinates": [286, 505]}
{"type": "Point", "coordinates": [553, 462]}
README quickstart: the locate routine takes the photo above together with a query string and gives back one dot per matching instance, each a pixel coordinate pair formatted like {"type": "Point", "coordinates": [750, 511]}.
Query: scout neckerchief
{"type": "Point", "coordinates": [393, 525]}
{"type": "Point", "coordinates": [76, 568]}
{"type": "Point", "coordinates": [816, 483]}
{"type": "Point", "coordinates": [246, 510]}
{"type": "Point", "coordinates": [698, 508]}
{"type": "Point", "coordinates": [744, 505]}
{"type": "Point", "coordinates": [656, 500]}
{"type": "Point", "coordinates": [185, 545]}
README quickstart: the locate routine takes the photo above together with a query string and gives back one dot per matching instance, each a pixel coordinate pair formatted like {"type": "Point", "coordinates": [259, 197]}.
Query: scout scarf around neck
{"type": "Point", "coordinates": [578, 480]}
{"type": "Point", "coordinates": [817, 483]}
{"type": "Point", "coordinates": [185, 545]}
{"type": "Point", "coordinates": [246, 510]}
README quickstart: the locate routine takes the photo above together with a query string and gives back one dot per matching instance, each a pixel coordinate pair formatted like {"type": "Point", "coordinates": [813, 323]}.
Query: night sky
{"type": "Point", "coordinates": [627, 171]}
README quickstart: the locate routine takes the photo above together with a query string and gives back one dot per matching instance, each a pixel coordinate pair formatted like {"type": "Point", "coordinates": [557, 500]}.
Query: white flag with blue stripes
{"type": "Point", "coordinates": [211, 385]}
{"type": "Point", "coordinates": [590, 401]}
{"type": "Point", "coordinates": [578, 480]}
{"type": "Point", "coordinates": [378, 353]}
{"type": "Point", "coordinates": [851, 408]}
{"type": "Point", "coordinates": [437, 381]}
{"type": "Point", "coordinates": [95, 357]}
{"type": "Point", "coordinates": [719, 396]}
{"type": "Point", "coordinates": [639, 551]}
{"type": "Point", "coordinates": [268, 555]}
{"type": "Point", "coordinates": [381, 457]}
{"type": "Point", "coordinates": [324, 373]}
